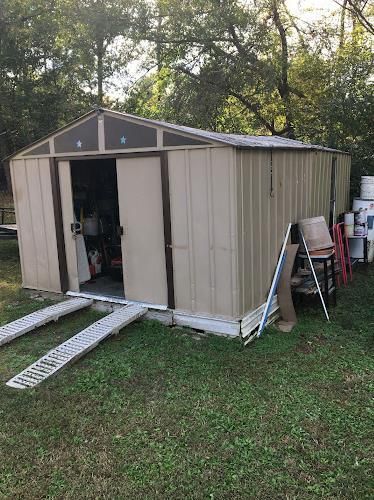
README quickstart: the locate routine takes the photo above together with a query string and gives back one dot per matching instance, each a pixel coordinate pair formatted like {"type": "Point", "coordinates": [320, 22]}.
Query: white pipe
{"type": "Point", "coordinates": [274, 282]}
{"type": "Point", "coordinates": [315, 277]}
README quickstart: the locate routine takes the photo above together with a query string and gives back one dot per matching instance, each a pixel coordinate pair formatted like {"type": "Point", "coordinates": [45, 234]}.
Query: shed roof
{"type": "Point", "coordinates": [239, 141]}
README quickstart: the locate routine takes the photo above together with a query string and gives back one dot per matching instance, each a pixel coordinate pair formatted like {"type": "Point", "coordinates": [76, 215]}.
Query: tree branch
{"type": "Point", "coordinates": [185, 40]}
{"type": "Point", "coordinates": [358, 12]}
{"type": "Point", "coordinates": [253, 107]}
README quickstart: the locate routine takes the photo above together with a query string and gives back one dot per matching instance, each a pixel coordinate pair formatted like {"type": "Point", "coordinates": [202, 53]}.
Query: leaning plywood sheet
{"type": "Point", "coordinates": [76, 347]}
{"type": "Point", "coordinates": [38, 318]}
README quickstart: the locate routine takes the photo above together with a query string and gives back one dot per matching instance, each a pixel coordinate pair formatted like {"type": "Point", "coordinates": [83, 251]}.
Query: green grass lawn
{"type": "Point", "coordinates": [160, 413]}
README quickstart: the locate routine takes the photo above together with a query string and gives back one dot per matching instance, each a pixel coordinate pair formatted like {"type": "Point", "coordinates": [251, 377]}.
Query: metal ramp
{"type": "Point", "coordinates": [38, 318]}
{"type": "Point", "coordinates": [8, 231]}
{"type": "Point", "coordinates": [76, 347]}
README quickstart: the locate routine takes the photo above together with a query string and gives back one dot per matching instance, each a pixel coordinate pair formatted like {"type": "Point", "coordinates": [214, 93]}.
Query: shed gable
{"type": "Point", "coordinates": [42, 149]}
{"type": "Point", "coordinates": [81, 137]}
{"type": "Point", "coordinates": [125, 134]}
{"type": "Point", "coordinates": [110, 132]}
{"type": "Point", "coordinates": [170, 139]}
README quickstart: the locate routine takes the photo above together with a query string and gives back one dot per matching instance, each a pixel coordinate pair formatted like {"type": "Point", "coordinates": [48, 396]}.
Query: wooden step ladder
{"type": "Point", "coordinates": [77, 346]}
{"type": "Point", "coordinates": [39, 318]}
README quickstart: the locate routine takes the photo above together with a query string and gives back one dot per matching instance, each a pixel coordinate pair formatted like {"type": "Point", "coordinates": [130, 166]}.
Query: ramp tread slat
{"type": "Point", "coordinates": [76, 347]}
{"type": "Point", "coordinates": [39, 318]}
{"type": "Point", "coordinates": [24, 380]}
{"type": "Point", "coordinates": [45, 366]}
{"type": "Point", "coordinates": [59, 356]}
{"type": "Point", "coordinates": [32, 376]}
{"type": "Point", "coordinates": [37, 372]}
{"type": "Point", "coordinates": [41, 369]}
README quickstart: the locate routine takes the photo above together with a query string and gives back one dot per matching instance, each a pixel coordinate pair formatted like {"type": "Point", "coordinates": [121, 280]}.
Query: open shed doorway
{"type": "Point", "coordinates": [95, 202]}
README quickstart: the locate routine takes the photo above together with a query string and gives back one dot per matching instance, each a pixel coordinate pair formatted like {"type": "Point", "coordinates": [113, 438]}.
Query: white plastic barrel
{"type": "Point", "coordinates": [367, 187]}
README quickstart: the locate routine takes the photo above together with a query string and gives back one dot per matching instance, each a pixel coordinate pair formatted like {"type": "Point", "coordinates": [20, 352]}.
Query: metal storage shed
{"type": "Point", "coordinates": [203, 214]}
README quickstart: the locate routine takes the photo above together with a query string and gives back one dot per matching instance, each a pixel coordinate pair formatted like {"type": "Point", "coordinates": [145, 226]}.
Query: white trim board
{"type": "Point", "coordinates": [216, 325]}
{"type": "Point", "coordinates": [208, 324]}
{"type": "Point", "coordinates": [253, 318]}
{"type": "Point", "coordinates": [115, 300]}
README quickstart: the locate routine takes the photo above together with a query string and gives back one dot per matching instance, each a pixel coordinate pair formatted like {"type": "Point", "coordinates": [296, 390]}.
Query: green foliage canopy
{"type": "Point", "coordinates": [227, 65]}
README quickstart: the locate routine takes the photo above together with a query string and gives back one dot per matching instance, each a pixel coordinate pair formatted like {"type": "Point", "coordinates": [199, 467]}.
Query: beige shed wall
{"type": "Point", "coordinates": [320, 187]}
{"type": "Point", "coordinates": [204, 230]}
{"type": "Point", "coordinates": [301, 189]}
{"type": "Point", "coordinates": [343, 175]}
{"type": "Point", "coordinates": [32, 191]}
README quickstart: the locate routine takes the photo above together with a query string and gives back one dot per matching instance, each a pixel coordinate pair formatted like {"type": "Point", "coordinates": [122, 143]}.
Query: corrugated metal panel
{"type": "Point", "coordinates": [301, 188]}
{"type": "Point", "coordinates": [204, 230]}
{"type": "Point", "coordinates": [36, 225]}
{"type": "Point", "coordinates": [343, 174]}
{"type": "Point", "coordinates": [321, 183]}
{"type": "Point", "coordinates": [252, 166]}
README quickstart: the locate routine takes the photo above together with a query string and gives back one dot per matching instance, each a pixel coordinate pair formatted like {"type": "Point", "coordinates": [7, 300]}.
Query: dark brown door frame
{"type": "Point", "coordinates": [64, 278]}
{"type": "Point", "coordinates": [167, 228]}
{"type": "Point", "coordinates": [60, 238]}
{"type": "Point", "coordinates": [332, 208]}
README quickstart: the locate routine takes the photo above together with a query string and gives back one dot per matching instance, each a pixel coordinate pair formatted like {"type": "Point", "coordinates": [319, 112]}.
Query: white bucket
{"type": "Point", "coordinates": [368, 179]}
{"type": "Point", "coordinates": [356, 246]}
{"type": "Point", "coordinates": [349, 220]}
{"type": "Point", "coordinates": [349, 230]}
{"type": "Point", "coordinates": [367, 187]}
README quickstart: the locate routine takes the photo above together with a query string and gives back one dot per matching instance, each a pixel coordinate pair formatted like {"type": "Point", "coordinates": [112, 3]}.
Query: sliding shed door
{"type": "Point", "coordinates": [32, 192]}
{"type": "Point", "coordinates": [141, 216]}
{"type": "Point", "coordinates": [67, 220]}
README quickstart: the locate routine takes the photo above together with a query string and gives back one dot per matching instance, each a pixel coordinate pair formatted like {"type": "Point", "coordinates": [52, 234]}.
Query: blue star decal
{"type": "Point", "coordinates": [123, 140]}
{"type": "Point", "coordinates": [79, 144]}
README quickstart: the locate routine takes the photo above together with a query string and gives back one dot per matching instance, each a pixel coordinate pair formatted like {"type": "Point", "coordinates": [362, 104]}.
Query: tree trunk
{"type": "Point", "coordinates": [283, 86]}
{"type": "Point", "coordinates": [159, 51]}
{"type": "Point", "coordinates": [100, 71]}
{"type": "Point", "coordinates": [342, 24]}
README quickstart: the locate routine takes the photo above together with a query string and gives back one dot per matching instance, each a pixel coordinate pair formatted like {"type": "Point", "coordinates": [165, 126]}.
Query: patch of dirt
{"type": "Point", "coordinates": [309, 346]}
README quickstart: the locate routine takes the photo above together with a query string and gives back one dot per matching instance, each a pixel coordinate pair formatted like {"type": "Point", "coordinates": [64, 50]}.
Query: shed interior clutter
{"type": "Point", "coordinates": [95, 199]}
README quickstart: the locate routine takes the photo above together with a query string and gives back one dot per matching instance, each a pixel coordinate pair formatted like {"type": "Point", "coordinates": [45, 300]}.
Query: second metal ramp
{"type": "Point", "coordinates": [38, 318]}
{"type": "Point", "coordinates": [76, 347]}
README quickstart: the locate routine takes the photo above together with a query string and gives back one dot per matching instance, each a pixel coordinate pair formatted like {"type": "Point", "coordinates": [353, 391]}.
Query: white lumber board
{"type": "Point", "coordinates": [76, 347]}
{"type": "Point", "coordinates": [215, 325]}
